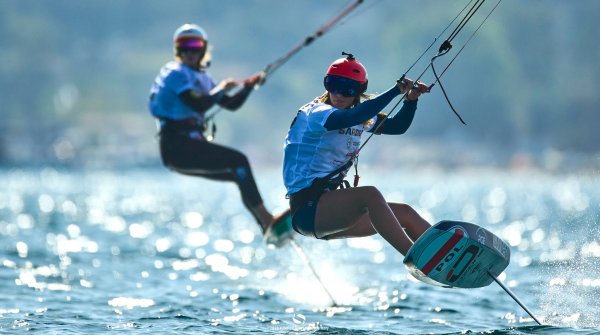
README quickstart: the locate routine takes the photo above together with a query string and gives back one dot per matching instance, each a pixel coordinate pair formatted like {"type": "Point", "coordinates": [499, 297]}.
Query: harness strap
{"type": "Point", "coordinates": [182, 127]}
{"type": "Point", "coordinates": [330, 182]}
{"type": "Point", "coordinates": [334, 179]}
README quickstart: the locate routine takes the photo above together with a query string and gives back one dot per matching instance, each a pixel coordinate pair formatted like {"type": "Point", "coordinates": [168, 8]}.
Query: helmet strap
{"type": "Point", "coordinates": [363, 86]}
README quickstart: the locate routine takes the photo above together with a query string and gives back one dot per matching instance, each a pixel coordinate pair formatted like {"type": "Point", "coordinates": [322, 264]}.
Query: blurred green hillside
{"type": "Point", "coordinates": [75, 75]}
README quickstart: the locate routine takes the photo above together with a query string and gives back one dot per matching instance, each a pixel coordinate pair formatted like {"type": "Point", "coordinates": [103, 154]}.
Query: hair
{"type": "Point", "coordinates": [324, 98]}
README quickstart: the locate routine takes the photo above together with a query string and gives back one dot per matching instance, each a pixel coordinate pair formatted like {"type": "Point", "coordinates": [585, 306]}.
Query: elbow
{"type": "Point", "coordinates": [231, 107]}
{"type": "Point", "coordinates": [396, 130]}
{"type": "Point", "coordinates": [399, 131]}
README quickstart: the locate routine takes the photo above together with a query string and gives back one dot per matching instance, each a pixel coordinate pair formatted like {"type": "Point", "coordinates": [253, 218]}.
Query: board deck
{"type": "Point", "coordinates": [457, 254]}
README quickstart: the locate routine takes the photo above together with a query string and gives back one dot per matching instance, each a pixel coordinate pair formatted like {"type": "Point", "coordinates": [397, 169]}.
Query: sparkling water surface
{"type": "Point", "coordinates": [148, 251]}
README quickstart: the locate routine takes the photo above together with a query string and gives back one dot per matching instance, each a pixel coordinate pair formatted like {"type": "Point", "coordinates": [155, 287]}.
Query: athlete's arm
{"type": "Point", "coordinates": [201, 103]}
{"type": "Point", "coordinates": [343, 118]}
{"type": "Point", "coordinates": [400, 122]}
{"type": "Point", "coordinates": [236, 101]}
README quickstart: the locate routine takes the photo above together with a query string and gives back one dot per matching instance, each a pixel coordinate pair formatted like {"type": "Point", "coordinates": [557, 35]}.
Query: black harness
{"type": "Point", "coordinates": [330, 182]}
{"type": "Point", "coordinates": [180, 127]}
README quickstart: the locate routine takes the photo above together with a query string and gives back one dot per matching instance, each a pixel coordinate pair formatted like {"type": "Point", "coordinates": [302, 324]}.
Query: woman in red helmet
{"type": "Point", "coordinates": [324, 138]}
{"type": "Point", "coordinates": [181, 94]}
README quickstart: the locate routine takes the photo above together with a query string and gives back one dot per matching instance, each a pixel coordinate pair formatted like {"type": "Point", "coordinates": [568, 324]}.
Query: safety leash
{"type": "Point", "coordinates": [447, 45]}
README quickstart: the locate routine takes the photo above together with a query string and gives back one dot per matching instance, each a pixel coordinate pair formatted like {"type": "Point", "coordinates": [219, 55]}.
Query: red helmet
{"type": "Point", "coordinates": [349, 68]}
{"type": "Point", "coordinates": [346, 76]}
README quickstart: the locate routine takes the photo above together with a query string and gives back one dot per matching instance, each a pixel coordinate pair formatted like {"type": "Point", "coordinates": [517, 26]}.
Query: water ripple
{"type": "Point", "coordinates": [146, 251]}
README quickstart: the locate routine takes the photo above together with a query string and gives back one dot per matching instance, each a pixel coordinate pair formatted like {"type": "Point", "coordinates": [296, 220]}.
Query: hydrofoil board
{"type": "Point", "coordinates": [457, 254]}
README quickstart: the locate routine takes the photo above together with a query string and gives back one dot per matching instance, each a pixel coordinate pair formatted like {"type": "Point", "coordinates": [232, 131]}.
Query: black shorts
{"type": "Point", "coordinates": [303, 205]}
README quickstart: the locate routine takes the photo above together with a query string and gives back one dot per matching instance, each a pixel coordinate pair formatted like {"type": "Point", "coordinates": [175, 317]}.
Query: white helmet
{"type": "Point", "coordinates": [190, 36]}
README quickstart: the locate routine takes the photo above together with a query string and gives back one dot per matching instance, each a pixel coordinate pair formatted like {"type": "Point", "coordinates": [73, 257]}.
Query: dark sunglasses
{"type": "Point", "coordinates": [341, 85]}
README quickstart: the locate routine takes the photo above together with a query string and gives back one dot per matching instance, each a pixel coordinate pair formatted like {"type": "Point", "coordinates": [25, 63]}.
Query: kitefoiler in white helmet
{"type": "Point", "coordinates": [182, 93]}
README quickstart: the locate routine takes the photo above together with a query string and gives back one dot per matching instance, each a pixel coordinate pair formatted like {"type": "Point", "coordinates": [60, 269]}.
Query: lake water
{"type": "Point", "coordinates": [148, 251]}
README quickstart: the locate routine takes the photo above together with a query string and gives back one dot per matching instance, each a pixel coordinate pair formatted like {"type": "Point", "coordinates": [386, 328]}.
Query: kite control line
{"type": "Point", "coordinates": [443, 49]}
{"type": "Point", "coordinates": [270, 68]}
{"type": "Point", "coordinates": [273, 66]}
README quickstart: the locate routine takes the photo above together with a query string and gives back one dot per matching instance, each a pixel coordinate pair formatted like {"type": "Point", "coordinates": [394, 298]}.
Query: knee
{"type": "Point", "coordinates": [372, 193]}
{"type": "Point", "coordinates": [241, 173]}
{"type": "Point", "coordinates": [402, 210]}
{"type": "Point", "coordinates": [239, 159]}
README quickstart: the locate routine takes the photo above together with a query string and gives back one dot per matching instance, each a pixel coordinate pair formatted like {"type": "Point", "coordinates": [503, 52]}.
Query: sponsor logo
{"type": "Point", "coordinates": [461, 228]}
{"type": "Point", "coordinates": [499, 245]}
{"type": "Point", "coordinates": [445, 253]}
{"type": "Point", "coordinates": [449, 257]}
{"type": "Point", "coordinates": [481, 235]}
{"type": "Point", "coordinates": [463, 262]}
{"type": "Point", "coordinates": [350, 131]}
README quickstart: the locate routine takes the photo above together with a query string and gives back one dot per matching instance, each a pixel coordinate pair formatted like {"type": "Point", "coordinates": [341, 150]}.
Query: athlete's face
{"type": "Point", "coordinates": [192, 57]}
{"type": "Point", "coordinates": [339, 101]}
